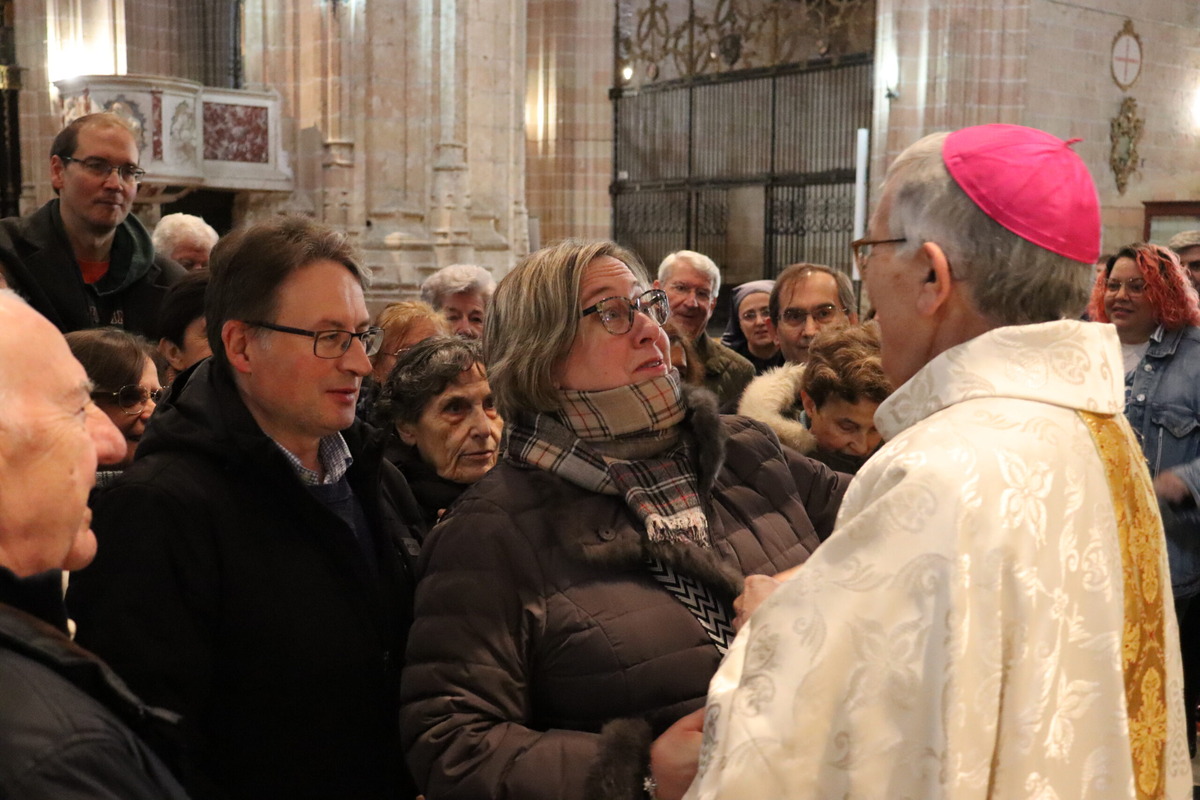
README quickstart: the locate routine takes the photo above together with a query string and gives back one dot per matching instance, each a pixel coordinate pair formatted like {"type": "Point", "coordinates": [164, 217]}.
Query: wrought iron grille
{"type": "Point", "coordinates": [684, 147]}
{"type": "Point", "coordinates": [666, 39]}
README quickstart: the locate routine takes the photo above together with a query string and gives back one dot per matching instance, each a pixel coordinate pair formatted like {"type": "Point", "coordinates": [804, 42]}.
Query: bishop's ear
{"type": "Point", "coordinates": [939, 280]}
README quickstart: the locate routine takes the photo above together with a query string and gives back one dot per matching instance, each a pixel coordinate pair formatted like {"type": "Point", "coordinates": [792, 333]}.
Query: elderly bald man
{"type": "Point", "coordinates": [64, 716]}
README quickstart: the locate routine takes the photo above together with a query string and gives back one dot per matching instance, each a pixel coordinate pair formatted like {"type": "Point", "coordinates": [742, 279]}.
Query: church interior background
{"type": "Point", "coordinates": [449, 131]}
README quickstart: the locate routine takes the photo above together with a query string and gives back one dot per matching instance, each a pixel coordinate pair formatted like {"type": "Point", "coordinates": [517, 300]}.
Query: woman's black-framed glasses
{"type": "Point", "coordinates": [616, 313]}
{"type": "Point", "coordinates": [131, 399]}
{"type": "Point", "coordinates": [331, 343]}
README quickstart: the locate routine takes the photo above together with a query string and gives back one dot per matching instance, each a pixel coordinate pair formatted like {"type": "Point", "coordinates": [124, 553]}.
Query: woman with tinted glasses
{"type": "Point", "coordinates": [124, 378]}
{"type": "Point", "coordinates": [574, 603]}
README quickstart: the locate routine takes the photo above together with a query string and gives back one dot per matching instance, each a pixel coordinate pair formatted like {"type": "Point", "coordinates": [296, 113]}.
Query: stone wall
{"type": "Point", "coordinates": [1047, 64]}
{"type": "Point", "coordinates": [1072, 93]}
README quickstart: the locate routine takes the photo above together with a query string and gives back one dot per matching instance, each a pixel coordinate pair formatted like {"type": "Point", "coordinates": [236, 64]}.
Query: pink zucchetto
{"type": "Point", "coordinates": [1030, 182]}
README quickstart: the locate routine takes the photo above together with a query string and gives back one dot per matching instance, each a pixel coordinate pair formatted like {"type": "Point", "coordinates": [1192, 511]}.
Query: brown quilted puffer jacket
{"type": "Point", "coordinates": [544, 658]}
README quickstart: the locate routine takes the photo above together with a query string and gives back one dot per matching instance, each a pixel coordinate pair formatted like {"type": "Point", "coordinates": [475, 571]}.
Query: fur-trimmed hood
{"type": "Point", "coordinates": [772, 398]}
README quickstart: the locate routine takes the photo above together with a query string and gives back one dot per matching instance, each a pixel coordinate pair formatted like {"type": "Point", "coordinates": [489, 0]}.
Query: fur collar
{"type": "Point", "coordinates": [770, 399]}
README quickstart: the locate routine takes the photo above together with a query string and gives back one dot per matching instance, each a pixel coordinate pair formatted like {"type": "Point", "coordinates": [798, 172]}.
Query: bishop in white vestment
{"type": "Point", "coordinates": [992, 616]}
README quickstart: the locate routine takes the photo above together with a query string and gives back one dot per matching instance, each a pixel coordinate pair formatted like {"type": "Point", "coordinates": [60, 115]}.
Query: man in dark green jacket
{"type": "Point", "coordinates": [691, 281]}
{"type": "Point", "coordinates": [82, 259]}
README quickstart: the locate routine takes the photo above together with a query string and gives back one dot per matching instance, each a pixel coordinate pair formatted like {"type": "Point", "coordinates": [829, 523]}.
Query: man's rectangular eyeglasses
{"type": "Point", "coordinates": [863, 247]}
{"type": "Point", "coordinates": [702, 295]}
{"type": "Point", "coordinates": [799, 316]}
{"type": "Point", "coordinates": [331, 343]}
{"type": "Point", "coordinates": [131, 399]}
{"type": "Point", "coordinates": [616, 313]}
{"type": "Point", "coordinates": [101, 168]}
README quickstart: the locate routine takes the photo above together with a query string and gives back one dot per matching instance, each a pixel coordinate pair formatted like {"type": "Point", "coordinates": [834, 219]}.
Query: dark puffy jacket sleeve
{"type": "Point", "coordinates": [820, 489]}
{"type": "Point", "coordinates": [95, 767]}
{"type": "Point", "coordinates": [466, 687]}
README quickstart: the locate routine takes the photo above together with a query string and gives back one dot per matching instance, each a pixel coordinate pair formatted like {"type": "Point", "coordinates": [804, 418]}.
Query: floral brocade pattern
{"type": "Point", "coordinates": [987, 620]}
{"type": "Point", "coordinates": [1140, 533]}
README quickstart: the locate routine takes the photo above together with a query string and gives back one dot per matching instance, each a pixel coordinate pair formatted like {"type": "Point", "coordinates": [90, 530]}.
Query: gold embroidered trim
{"type": "Point", "coordinates": [1140, 533]}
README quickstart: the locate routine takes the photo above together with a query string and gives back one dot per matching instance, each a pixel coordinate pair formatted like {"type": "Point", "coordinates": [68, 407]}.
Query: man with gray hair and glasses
{"type": "Point", "coordinates": [82, 259]}
{"type": "Point", "coordinates": [692, 281]}
{"type": "Point", "coordinates": [991, 617]}
{"type": "Point", "coordinates": [254, 574]}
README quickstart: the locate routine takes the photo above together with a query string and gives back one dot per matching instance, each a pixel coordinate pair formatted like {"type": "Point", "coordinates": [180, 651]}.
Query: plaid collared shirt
{"type": "Point", "coordinates": [334, 455]}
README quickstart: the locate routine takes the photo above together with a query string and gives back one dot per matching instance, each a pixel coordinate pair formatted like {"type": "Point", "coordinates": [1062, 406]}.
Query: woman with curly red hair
{"type": "Point", "coordinates": [1147, 295]}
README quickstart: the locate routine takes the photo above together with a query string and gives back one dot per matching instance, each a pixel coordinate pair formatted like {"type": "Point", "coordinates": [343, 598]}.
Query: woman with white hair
{"type": "Point", "coordinates": [461, 292]}
{"type": "Point", "coordinates": [574, 602]}
{"type": "Point", "coordinates": [185, 239]}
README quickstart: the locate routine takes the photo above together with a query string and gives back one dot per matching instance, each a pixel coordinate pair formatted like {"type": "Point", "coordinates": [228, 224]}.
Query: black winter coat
{"type": "Point", "coordinates": [544, 657]}
{"type": "Point", "coordinates": [66, 721]}
{"type": "Point", "coordinates": [225, 591]}
{"type": "Point", "coordinates": [36, 255]}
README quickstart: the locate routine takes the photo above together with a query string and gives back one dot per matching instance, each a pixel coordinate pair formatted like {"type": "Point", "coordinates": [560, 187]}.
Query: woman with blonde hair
{"type": "Point", "coordinates": [574, 603]}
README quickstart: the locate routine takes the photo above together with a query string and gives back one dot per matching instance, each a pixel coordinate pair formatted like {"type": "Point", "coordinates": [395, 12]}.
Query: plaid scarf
{"type": "Point", "coordinates": [627, 442]}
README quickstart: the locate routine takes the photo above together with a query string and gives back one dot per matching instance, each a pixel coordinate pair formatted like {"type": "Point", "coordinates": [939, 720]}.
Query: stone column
{"type": "Point", "coordinates": [450, 220]}
{"type": "Point", "coordinates": [569, 117]}
{"type": "Point", "coordinates": [945, 64]}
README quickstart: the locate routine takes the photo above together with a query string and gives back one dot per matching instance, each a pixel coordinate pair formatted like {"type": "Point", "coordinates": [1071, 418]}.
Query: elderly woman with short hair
{"type": "Point", "coordinates": [574, 603]}
{"type": "Point", "coordinates": [446, 430]}
{"type": "Point", "coordinates": [404, 323]}
{"type": "Point", "coordinates": [825, 408]}
{"type": "Point", "coordinates": [461, 292]}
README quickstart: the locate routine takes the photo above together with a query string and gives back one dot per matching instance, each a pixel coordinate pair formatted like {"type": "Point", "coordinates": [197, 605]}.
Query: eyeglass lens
{"type": "Point", "coordinates": [799, 316]}
{"type": "Point", "coordinates": [1134, 286]}
{"type": "Point", "coordinates": [102, 169]}
{"type": "Point", "coordinates": [134, 398]}
{"type": "Point", "coordinates": [617, 312]}
{"type": "Point", "coordinates": [333, 344]}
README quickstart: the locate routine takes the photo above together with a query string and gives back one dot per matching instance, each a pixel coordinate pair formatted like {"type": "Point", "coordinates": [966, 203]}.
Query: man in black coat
{"type": "Point", "coordinates": [255, 574]}
{"type": "Point", "coordinates": [67, 723]}
{"type": "Point", "coordinates": [81, 259]}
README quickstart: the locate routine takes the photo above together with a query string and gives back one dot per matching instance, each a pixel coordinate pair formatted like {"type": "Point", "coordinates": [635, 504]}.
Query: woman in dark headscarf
{"type": "Point", "coordinates": [749, 332]}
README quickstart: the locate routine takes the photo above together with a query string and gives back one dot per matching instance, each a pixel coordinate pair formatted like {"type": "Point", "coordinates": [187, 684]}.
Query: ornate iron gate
{"type": "Point", "coordinates": [748, 161]}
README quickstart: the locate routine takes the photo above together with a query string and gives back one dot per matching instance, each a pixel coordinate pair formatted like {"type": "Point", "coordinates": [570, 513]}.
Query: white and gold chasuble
{"type": "Point", "coordinates": [985, 621]}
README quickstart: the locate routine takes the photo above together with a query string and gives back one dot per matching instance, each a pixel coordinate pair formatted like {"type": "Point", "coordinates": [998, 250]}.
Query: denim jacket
{"type": "Point", "coordinates": [1162, 402]}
